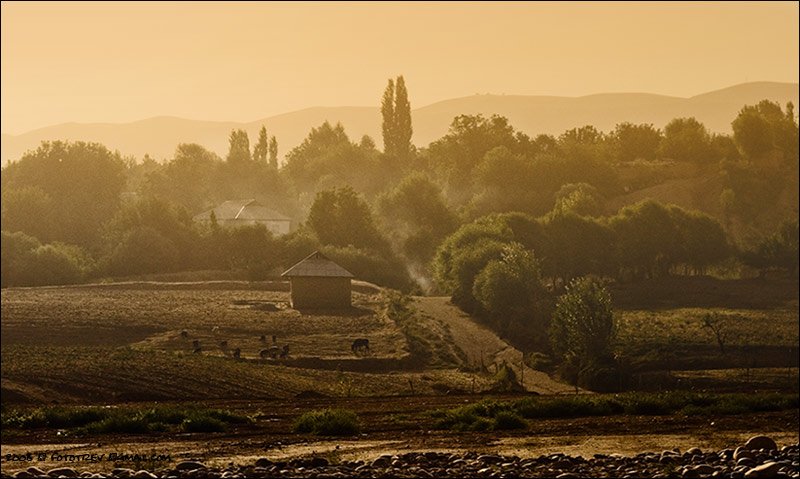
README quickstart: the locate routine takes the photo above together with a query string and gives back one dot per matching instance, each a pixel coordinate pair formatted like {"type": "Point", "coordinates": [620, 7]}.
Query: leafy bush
{"type": "Point", "coordinates": [26, 262]}
{"type": "Point", "coordinates": [96, 420]}
{"type": "Point", "coordinates": [202, 423]}
{"type": "Point", "coordinates": [481, 416]}
{"type": "Point", "coordinates": [505, 420]}
{"type": "Point", "coordinates": [142, 250]}
{"type": "Point", "coordinates": [384, 269]}
{"type": "Point", "coordinates": [328, 422]}
{"type": "Point", "coordinates": [119, 423]}
{"type": "Point", "coordinates": [494, 415]}
{"type": "Point", "coordinates": [54, 417]}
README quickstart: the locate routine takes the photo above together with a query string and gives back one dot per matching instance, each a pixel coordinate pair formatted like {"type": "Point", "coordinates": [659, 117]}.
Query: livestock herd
{"type": "Point", "coordinates": [359, 347]}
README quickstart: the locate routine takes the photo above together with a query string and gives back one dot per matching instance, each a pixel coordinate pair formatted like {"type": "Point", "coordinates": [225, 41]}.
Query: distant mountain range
{"type": "Point", "coordinates": [531, 114]}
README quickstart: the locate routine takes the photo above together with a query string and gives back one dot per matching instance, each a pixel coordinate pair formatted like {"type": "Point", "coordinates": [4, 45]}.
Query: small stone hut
{"type": "Point", "coordinates": [319, 283]}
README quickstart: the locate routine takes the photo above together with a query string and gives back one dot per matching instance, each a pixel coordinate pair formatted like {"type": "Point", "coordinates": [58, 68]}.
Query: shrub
{"type": "Point", "coordinates": [481, 416]}
{"type": "Point", "coordinates": [328, 422]}
{"type": "Point", "coordinates": [142, 250]}
{"type": "Point", "coordinates": [119, 423]}
{"type": "Point", "coordinates": [381, 268]}
{"type": "Point", "coordinates": [480, 424]}
{"type": "Point", "coordinates": [123, 420]}
{"type": "Point", "coordinates": [54, 417]}
{"type": "Point", "coordinates": [509, 415]}
{"type": "Point", "coordinates": [505, 420]}
{"type": "Point", "coordinates": [26, 262]}
{"type": "Point", "coordinates": [202, 423]}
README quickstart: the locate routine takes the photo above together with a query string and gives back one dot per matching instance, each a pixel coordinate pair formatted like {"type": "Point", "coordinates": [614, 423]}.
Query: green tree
{"type": "Point", "coordinates": [765, 128]}
{"type": "Point", "coordinates": [26, 209]}
{"type": "Point", "coordinates": [778, 251]}
{"type": "Point", "coordinates": [151, 221]}
{"type": "Point", "coordinates": [464, 238]}
{"type": "Point", "coordinates": [586, 143]}
{"type": "Point", "coordinates": [701, 240]}
{"type": "Point", "coordinates": [379, 268]}
{"type": "Point", "coordinates": [583, 326]}
{"type": "Point", "coordinates": [261, 148]}
{"type": "Point", "coordinates": [456, 155]}
{"type": "Point", "coordinates": [417, 216]}
{"type": "Point", "coordinates": [16, 255]}
{"type": "Point", "coordinates": [239, 148]}
{"type": "Point", "coordinates": [510, 290]}
{"type": "Point", "coordinates": [388, 125]}
{"type": "Point", "coordinates": [250, 248]}
{"type": "Point", "coordinates": [504, 182]}
{"type": "Point", "coordinates": [83, 182]}
{"type": "Point", "coordinates": [631, 142]}
{"type": "Point", "coordinates": [327, 159]}
{"type": "Point", "coordinates": [579, 198]}
{"type": "Point", "coordinates": [647, 240]}
{"type": "Point", "coordinates": [686, 139]}
{"type": "Point", "coordinates": [576, 246]}
{"type": "Point", "coordinates": [142, 250]}
{"type": "Point", "coordinates": [273, 152]}
{"type": "Point", "coordinates": [191, 179]}
{"type": "Point", "coordinates": [402, 120]}
{"type": "Point", "coordinates": [340, 217]}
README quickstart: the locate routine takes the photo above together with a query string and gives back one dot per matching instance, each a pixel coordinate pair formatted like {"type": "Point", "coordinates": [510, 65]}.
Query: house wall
{"type": "Point", "coordinates": [320, 292]}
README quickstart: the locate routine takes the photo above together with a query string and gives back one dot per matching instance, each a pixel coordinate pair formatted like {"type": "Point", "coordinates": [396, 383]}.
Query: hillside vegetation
{"type": "Point", "coordinates": [528, 233]}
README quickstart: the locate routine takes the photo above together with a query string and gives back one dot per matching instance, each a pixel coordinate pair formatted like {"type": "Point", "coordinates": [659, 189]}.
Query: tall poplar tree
{"type": "Point", "coordinates": [387, 111]}
{"type": "Point", "coordinates": [273, 152]}
{"type": "Point", "coordinates": [402, 120]}
{"type": "Point", "coordinates": [262, 146]}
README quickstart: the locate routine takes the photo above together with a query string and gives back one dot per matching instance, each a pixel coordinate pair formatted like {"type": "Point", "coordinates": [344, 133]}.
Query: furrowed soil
{"type": "Point", "coordinates": [122, 345]}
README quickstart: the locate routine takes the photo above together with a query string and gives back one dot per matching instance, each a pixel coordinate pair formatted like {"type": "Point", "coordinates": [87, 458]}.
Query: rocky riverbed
{"type": "Point", "coordinates": [758, 458]}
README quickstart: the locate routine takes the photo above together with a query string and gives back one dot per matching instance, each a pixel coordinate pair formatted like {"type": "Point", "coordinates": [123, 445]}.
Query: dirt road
{"type": "Point", "coordinates": [481, 345]}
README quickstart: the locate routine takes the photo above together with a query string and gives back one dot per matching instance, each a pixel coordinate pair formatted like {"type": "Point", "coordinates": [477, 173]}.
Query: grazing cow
{"type": "Point", "coordinates": [271, 352]}
{"type": "Point", "coordinates": [184, 334]}
{"type": "Point", "coordinates": [198, 350]}
{"type": "Point", "coordinates": [196, 343]}
{"type": "Point", "coordinates": [285, 352]}
{"type": "Point", "coordinates": [360, 345]}
{"type": "Point", "coordinates": [237, 353]}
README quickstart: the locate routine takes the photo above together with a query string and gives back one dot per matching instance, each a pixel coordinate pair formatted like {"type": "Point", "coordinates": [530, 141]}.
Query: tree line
{"type": "Point", "coordinates": [74, 210]}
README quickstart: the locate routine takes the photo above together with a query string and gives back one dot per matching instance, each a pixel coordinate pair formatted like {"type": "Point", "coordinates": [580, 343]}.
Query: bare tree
{"type": "Point", "coordinates": [716, 323]}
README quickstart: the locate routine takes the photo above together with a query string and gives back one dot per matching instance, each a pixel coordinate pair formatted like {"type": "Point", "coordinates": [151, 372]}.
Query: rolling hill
{"type": "Point", "coordinates": [533, 115]}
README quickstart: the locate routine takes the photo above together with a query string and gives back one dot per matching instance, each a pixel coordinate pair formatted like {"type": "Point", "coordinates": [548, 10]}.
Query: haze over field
{"type": "Point", "coordinates": [235, 231]}
{"type": "Point", "coordinates": [117, 62]}
{"type": "Point", "coordinates": [533, 115]}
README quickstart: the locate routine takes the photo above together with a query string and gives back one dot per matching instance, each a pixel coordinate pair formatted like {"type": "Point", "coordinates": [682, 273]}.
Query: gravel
{"type": "Point", "coordinates": [745, 462]}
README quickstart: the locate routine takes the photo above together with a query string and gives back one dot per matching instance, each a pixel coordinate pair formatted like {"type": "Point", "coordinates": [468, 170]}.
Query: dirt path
{"type": "Point", "coordinates": [481, 345]}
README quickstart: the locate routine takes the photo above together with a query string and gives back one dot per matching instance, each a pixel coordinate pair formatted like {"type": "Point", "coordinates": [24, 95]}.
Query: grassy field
{"type": "Point", "coordinates": [662, 335]}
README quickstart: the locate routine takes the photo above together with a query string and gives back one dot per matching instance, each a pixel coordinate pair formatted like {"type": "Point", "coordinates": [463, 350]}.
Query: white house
{"type": "Point", "coordinates": [246, 212]}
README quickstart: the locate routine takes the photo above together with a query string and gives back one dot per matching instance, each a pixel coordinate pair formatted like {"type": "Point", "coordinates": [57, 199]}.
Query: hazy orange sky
{"type": "Point", "coordinates": [119, 62]}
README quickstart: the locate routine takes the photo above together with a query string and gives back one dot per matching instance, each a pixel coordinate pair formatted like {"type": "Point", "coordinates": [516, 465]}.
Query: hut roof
{"type": "Point", "coordinates": [316, 264]}
{"type": "Point", "coordinates": [242, 210]}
